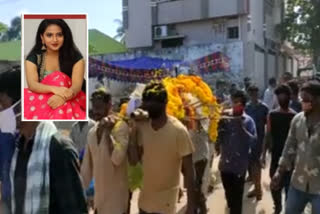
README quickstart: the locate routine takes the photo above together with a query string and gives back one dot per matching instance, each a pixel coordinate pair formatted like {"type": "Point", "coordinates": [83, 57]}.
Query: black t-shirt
{"type": "Point", "coordinates": [280, 125]}
{"type": "Point", "coordinates": [36, 59]}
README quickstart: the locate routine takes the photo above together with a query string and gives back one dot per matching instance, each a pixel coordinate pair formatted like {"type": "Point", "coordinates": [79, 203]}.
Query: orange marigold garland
{"type": "Point", "coordinates": [180, 107]}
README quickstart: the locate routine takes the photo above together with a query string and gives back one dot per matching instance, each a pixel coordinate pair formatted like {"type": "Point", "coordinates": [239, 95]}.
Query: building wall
{"type": "Point", "coordinates": [295, 67]}
{"type": "Point", "coordinates": [265, 15]}
{"type": "Point", "coordinates": [259, 69]}
{"type": "Point", "coordinates": [139, 32]}
{"type": "Point", "coordinates": [143, 15]}
{"type": "Point", "coordinates": [233, 50]}
{"type": "Point", "coordinates": [186, 10]}
{"type": "Point", "coordinates": [199, 26]}
{"type": "Point", "coordinates": [289, 64]}
{"type": "Point", "coordinates": [257, 20]}
{"type": "Point", "coordinates": [271, 66]}
{"type": "Point", "coordinates": [281, 65]}
{"type": "Point", "coordinates": [208, 31]}
{"type": "Point", "coordinates": [219, 8]}
{"type": "Point", "coordinates": [178, 11]}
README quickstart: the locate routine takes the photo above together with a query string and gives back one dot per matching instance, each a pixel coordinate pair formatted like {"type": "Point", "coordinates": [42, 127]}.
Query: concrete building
{"type": "Point", "coordinates": [171, 24]}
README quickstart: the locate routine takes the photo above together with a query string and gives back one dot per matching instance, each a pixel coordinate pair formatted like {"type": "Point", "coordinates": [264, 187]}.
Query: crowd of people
{"type": "Point", "coordinates": [285, 123]}
{"type": "Point", "coordinates": [42, 171]}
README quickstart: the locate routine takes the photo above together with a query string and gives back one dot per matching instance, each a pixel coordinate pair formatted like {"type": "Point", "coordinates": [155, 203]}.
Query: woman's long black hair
{"type": "Point", "coordinates": [68, 53]}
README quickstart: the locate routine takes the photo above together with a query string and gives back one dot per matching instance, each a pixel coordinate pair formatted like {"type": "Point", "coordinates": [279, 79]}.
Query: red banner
{"type": "Point", "coordinates": [216, 62]}
{"type": "Point", "coordinates": [99, 68]}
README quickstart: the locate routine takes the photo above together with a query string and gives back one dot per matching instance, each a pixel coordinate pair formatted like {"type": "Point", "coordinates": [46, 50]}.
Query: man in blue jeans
{"type": "Point", "coordinates": [302, 152]}
{"type": "Point", "coordinates": [278, 125]}
{"type": "Point", "coordinates": [237, 135]}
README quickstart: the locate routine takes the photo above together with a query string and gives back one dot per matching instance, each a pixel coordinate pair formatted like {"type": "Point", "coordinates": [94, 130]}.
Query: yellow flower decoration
{"type": "Point", "coordinates": [178, 103]}
{"type": "Point", "coordinates": [123, 109]}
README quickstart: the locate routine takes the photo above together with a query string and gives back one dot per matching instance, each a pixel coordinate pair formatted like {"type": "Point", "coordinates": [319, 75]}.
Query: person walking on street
{"type": "Point", "coordinates": [200, 159]}
{"type": "Point", "coordinates": [269, 98]}
{"type": "Point", "coordinates": [237, 135]}
{"type": "Point", "coordinates": [302, 154]}
{"type": "Point", "coordinates": [277, 131]}
{"type": "Point", "coordinates": [258, 111]}
{"type": "Point", "coordinates": [105, 158]}
{"type": "Point", "coordinates": [163, 145]}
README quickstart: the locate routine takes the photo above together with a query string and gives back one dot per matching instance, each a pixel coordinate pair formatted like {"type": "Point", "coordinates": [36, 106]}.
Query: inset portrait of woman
{"type": "Point", "coordinates": [54, 71]}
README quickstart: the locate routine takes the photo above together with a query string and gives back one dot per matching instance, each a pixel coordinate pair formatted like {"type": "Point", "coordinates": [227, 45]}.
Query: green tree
{"type": "Point", "coordinates": [120, 36]}
{"type": "Point", "coordinates": [301, 27]}
{"type": "Point", "coordinates": [14, 32]}
{"type": "Point", "coordinates": [3, 27]}
{"type": "Point", "coordinates": [3, 31]}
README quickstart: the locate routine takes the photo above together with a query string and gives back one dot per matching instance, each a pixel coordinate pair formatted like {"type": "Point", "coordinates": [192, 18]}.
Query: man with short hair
{"type": "Point", "coordinates": [163, 145]}
{"type": "Point", "coordinates": [105, 158]}
{"type": "Point", "coordinates": [258, 111]}
{"type": "Point", "coordinates": [302, 154]}
{"type": "Point", "coordinates": [277, 131]}
{"type": "Point", "coordinates": [237, 135]}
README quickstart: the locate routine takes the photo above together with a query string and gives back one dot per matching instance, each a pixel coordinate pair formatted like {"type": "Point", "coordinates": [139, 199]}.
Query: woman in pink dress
{"type": "Point", "coordinates": [55, 75]}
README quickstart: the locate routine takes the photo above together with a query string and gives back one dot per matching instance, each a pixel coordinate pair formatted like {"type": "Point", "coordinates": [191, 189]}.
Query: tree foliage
{"type": "Point", "coordinates": [301, 25]}
{"type": "Point", "coordinates": [120, 31]}
{"type": "Point", "coordinates": [13, 32]}
{"type": "Point", "coordinates": [3, 27]}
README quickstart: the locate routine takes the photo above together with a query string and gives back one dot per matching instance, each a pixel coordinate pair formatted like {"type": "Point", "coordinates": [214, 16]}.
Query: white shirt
{"type": "Point", "coordinates": [200, 141]}
{"type": "Point", "coordinates": [270, 99]}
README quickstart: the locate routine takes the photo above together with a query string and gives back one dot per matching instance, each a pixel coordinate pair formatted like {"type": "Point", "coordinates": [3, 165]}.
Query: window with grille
{"type": "Point", "coordinates": [233, 32]}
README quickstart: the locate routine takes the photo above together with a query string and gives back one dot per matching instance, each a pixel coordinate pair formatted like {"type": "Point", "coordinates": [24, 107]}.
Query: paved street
{"type": "Point", "coordinates": [217, 203]}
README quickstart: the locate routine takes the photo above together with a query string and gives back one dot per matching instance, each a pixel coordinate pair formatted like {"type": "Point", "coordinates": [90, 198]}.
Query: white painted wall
{"type": "Point", "coordinates": [271, 66]}
{"type": "Point", "coordinates": [207, 31]}
{"type": "Point", "coordinates": [259, 67]}
{"type": "Point", "coordinates": [289, 65]}
{"type": "Point", "coordinates": [139, 33]}
{"type": "Point", "coordinates": [256, 12]}
{"type": "Point", "coordinates": [225, 8]}
{"type": "Point", "coordinates": [295, 67]}
{"type": "Point", "coordinates": [190, 10]}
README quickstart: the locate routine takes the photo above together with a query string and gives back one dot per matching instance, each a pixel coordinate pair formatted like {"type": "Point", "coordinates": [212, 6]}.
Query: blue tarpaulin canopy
{"type": "Point", "coordinates": [147, 63]}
